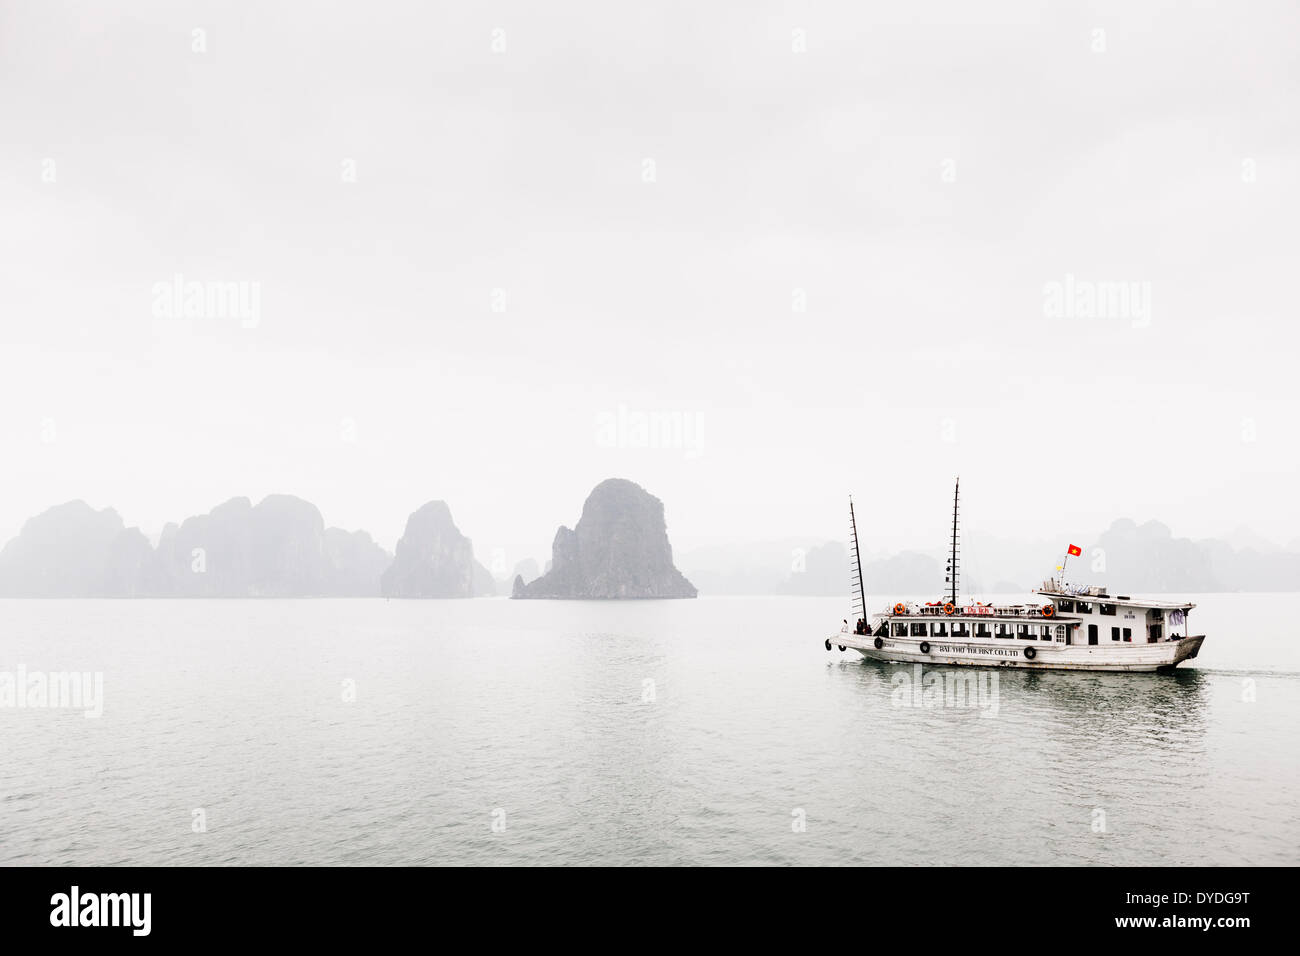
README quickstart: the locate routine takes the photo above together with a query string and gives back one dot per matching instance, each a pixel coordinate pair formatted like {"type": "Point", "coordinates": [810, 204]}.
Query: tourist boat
{"type": "Point", "coordinates": [1068, 628]}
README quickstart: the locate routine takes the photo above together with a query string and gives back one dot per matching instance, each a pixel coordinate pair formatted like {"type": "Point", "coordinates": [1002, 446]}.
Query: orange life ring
{"type": "Point", "coordinates": [899, 608]}
{"type": "Point", "coordinates": [1049, 610]}
{"type": "Point", "coordinates": [948, 608]}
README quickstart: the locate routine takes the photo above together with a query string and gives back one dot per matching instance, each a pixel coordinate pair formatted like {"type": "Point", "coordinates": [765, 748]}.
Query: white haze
{"type": "Point", "coordinates": [454, 323]}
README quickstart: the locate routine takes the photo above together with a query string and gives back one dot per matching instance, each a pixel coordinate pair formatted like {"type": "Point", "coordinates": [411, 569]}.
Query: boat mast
{"type": "Point", "coordinates": [859, 593]}
{"type": "Point", "coordinates": [952, 561]}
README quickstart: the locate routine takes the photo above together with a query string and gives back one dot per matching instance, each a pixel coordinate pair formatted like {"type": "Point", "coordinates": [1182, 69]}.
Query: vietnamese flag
{"type": "Point", "coordinates": [1074, 551]}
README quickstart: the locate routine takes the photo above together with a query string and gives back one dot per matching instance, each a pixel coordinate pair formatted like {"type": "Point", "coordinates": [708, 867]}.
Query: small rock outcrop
{"type": "Point", "coordinates": [618, 550]}
{"type": "Point", "coordinates": [434, 560]}
{"type": "Point", "coordinates": [528, 570]}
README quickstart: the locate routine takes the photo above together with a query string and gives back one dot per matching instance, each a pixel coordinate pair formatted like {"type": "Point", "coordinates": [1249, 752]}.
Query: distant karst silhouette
{"type": "Point", "coordinates": [618, 550]}
{"type": "Point", "coordinates": [278, 548]}
{"type": "Point", "coordinates": [434, 560]}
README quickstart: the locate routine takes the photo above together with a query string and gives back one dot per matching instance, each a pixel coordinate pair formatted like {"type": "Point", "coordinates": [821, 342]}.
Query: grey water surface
{"type": "Point", "coordinates": [713, 731]}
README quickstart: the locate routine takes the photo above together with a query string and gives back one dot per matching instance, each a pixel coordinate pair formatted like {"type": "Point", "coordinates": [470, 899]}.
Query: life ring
{"type": "Point", "coordinates": [879, 643]}
{"type": "Point", "coordinates": [1049, 610]}
{"type": "Point", "coordinates": [948, 608]}
{"type": "Point", "coordinates": [900, 608]}
{"type": "Point", "coordinates": [1030, 653]}
{"type": "Point", "coordinates": [828, 643]}
{"type": "Point", "coordinates": [843, 648]}
{"type": "Point", "coordinates": [925, 647]}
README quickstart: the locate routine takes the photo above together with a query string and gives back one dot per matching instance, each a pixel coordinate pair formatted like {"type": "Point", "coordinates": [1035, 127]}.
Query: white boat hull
{"type": "Point", "coordinates": [1045, 655]}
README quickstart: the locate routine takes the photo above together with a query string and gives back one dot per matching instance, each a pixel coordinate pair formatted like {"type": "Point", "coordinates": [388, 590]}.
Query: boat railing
{"type": "Point", "coordinates": [1029, 611]}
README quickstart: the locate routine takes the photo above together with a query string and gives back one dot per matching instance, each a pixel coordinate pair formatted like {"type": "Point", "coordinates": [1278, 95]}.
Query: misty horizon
{"type": "Point", "coordinates": [1243, 536]}
{"type": "Point", "coordinates": [1129, 556]}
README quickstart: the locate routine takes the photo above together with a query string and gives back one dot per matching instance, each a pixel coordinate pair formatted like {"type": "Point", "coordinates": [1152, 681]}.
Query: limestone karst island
{"type": "Point", "coordinates": [281, 548]}
{"type": "Point", "coordinates": [619, 549]}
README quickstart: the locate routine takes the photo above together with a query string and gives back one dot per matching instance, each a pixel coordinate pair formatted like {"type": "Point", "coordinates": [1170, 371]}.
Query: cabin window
{"type": "Point", "coordinates": [939, 629]}
{"type": "Point", "coordinates": [1022, 632]}
{"type": "Point", "coordinates": [1065, 607]}
{"type": "Point", "coordinates": [1002, 630]}
{"type": "Point", "coordinates": [960, 630]}
{"type": "Point", "coordinates": [1060, 633]}
{"type": "Point", "coordinates": [1082, 607]}
{"type": "Point", "coordinates": [1045, 632]}
{"type": "Point", "coordinates": [1114, 633]}
{"type": "Point", "coordinates": [1128, 634]}
{"type": "Point", "coordinates": [918, 630]}
{"type": "Point", "coordinates": [981, 630]}
{"type": "Point", "coordinates": [900, 630]}
{"type": "Point", "coordinates": [1107, 609]}
{"type": "Point", "coordinates": [1157, 615]}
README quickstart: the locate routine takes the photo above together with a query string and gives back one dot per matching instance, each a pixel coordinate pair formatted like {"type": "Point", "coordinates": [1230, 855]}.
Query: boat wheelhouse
{"type": "Point", "coordinates": [1073, 628]}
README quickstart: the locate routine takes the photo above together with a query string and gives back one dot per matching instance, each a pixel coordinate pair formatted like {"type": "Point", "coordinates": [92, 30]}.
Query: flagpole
{"type": "Point", "coordinates": [1069, 550]}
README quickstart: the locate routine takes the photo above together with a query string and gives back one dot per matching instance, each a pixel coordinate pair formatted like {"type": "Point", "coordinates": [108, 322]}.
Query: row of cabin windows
{"type": "Point", "coordinates": [1024, 632]}
{"type": "Point", "coordinates": [1084, 607]}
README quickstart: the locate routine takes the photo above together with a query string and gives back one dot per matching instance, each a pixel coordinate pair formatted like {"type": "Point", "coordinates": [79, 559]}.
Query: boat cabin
{"type": "Point", "coordinates": [1071, 615]}
{"type": "Point", "coordinates": [1118, 619]}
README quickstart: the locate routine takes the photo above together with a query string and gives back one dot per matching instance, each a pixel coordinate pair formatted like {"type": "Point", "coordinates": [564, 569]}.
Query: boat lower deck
{"type": "Point", "coordinates": [996, 652]}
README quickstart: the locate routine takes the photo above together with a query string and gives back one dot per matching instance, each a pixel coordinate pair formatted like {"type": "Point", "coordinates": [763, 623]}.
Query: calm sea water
{"type": "Point", "coordinates": [704, 732]}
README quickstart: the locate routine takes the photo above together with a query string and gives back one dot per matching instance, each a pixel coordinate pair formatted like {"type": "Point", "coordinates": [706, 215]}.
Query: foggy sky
{"type": "Point", "coordinates": [833, 274]}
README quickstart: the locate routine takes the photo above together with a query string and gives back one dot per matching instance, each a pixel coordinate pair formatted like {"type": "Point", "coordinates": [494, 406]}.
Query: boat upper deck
{"type": "Point", "coordinates": [1075, 604]}
{"type": "Point", "coordinates": [1095, 595]}
{"type": "Point", "coordinates": [1017, 611]}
